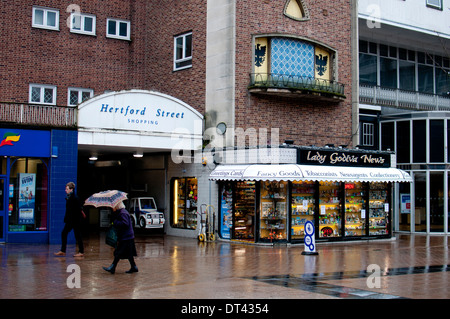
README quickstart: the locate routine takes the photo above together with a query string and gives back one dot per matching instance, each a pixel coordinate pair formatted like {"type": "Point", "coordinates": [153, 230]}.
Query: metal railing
{"type": "Point", "coordinates": [41, 115]}
{"type": "Point", "coordinates": [295, 82]}
{"type": "Point", "coordinates": [376, 95]}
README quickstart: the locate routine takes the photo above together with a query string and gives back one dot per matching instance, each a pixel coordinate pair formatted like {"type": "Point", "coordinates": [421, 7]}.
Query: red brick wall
{"type": "Point", "coordinates": [61, 58]}
{"type": "Point", "coordinates": [164, 20]}
{"type": "Point", "coordinates": [66, 59]}
{"type": "Point", "coordinates": [302, 120]}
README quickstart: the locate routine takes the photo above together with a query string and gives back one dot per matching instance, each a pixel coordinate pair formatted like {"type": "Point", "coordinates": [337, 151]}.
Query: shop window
{"type": "Point", "coordinates": [330, 219]}
{"type": "Point", "coordinates": [244, 211]}
{"type": "Point", "coordinates": [28, 193]}
{"type": "Point", "coordinates": [436, 141]}
{"type": "Point", "coordinates": [182, 51]}
{"type": "Point", "coordinates": [184, 208]}
{"type": "Point", "coordinates": [403, 142]}
{"type": "Point", "coordinates": [420, 201]}
{"type": "Point", "coordinates": [436, 202]}
{"type": "Point", "coordinates": [302, 206]}
{"type": "Point", "coordinates": [82, 23]}
{"type": "Point", "coordinates": [42, 94]}
{"type": "Point", "coordinates": [273, 211]}
{"type": "Point", "coordinates": [79, 95]}
{"type": "Point", "coordinates": [419, 141]}
{"type": "Point", "coordinates": [118, 29]}
{"type": "Point", "coordinates": [355, 210]}
{"type": "Point", "coordinates": [378, 209]}
{"type": "Point", "coordinates": [404, 222]}
{"type": "Point", "coordinates": [226, 210]}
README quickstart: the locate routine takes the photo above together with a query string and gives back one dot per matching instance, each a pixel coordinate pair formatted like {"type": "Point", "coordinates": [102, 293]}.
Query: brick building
{"type": "Point", "coordinates": [150, 97]}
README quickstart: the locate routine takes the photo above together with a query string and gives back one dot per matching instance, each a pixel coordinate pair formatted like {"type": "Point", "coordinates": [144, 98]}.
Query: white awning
{"type": "Point", "coordinates": [354, 174]}
{"type": "Point", "coordinates": [295, 172]}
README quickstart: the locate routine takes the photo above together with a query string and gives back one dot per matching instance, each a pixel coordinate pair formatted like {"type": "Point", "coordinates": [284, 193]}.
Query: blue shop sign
{"type": "Point", "coordinates": [29, 143]}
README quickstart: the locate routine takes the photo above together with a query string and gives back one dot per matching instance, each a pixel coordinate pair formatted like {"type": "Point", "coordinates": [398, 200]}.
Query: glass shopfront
{"type": "Point", "coordinates": [27, 195]}
{"type": "Point", "coordinates": [340, 210]}
{"type": "Point", "coordinates": [184, 204]}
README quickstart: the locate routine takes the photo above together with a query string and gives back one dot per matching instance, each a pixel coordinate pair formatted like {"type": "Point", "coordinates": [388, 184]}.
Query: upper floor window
{"type": "Point", "coordinates": [79, 95]}
{"type": "Point", "coordinates": [82, 23]}
{"type": "Point", "coordinates": [118, 29]}
{"type": "Point", "coordinates": [182, 51]}
{"type": "Point", "coordinates": [437, 4]}
{"type": "Point", "coordinates": [367, 134]}
{"type": "Point", "coordinates": [45, 18]}
{"type": "Point", "coordinates": [42, 94]}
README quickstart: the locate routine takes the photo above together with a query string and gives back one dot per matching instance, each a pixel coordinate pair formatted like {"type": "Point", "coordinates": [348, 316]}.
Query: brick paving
{"type": "Point", "coordinates": [411, 266]}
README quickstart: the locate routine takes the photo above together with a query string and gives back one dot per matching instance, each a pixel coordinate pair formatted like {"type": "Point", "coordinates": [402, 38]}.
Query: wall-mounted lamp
{"type": "Point", "coordinates": [138, 154]}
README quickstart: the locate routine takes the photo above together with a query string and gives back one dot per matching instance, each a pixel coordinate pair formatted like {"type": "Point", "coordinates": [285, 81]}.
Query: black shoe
{"type": "Point", "coordinates": [111, 269]}
{"type": "Point", "coordinates": [132, 270]}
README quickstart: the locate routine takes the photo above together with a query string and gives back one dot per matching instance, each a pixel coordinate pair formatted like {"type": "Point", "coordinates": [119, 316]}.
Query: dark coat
{"type": "Point", "coordinates": [122, 223]}
{"type": "Point", "coordinates": [73, 210]}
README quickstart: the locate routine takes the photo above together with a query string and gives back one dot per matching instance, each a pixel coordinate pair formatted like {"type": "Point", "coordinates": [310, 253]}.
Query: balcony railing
{"type": "Point", "coordinates": [293, 85]}
{"type": "Point", "coordinates": [41, 115]}
{"type": "Point", "coordinates": [382, 96]}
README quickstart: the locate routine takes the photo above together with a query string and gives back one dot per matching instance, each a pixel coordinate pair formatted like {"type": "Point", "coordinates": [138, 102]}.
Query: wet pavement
{"type": "Point", "coordinates": [411, 266]}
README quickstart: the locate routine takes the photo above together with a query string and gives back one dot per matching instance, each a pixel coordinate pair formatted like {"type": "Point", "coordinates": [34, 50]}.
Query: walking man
{"type": "Point", "coordinates": [73, 220]}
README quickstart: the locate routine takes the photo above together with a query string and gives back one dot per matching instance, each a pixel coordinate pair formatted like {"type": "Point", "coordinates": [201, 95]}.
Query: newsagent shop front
{"type": "Point", "coordinates": [346, 194]}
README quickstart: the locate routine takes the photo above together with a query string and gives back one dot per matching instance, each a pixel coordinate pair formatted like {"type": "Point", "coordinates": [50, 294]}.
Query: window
{"type": "Point", "coordinates": [45, 18]}
{"type": "Point", "coordinates": [42, 94]}
{"type": "Point", "coordinates": [29, 193]}
{"type": "Point", "coordinates": [184, 206]}
{"type": "Point", "coordinates": [183, 51]}
{"type": "Point", "coordinates": [82, 23]}
{"type": "Point", "coordinates": [367, 134]}
{"type": "Point", "coordinates": [437, 4]}
{"type": "Point", "coordinates": [79, 95]}
{"type": "Point", "coordinates": [118, 29]}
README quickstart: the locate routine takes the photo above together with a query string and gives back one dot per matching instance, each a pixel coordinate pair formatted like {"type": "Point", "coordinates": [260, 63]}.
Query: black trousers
{"type": "Point", "coordinates": [77, 233]}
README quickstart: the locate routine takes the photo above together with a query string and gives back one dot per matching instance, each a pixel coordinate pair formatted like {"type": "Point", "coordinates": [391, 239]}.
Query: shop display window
{"type": "Point", "coordinates": [329, 209]}
{"type": "Point", "coordinates": [244, 216]}
{"type": "Point", "coordinates": [27, 195]}
{"type": "Point", "coordinates": [355, 210]}
{"type": "Point", "coordinates": [302, 206]}
{"type": "Point", "coordinates": [226, 210]}
{"type": "Point", "coordinates": [273, 210]}
{"type": "Point", "coordinates": [184, 203]}
{"type": "Point", "coordinates": [378, 209]}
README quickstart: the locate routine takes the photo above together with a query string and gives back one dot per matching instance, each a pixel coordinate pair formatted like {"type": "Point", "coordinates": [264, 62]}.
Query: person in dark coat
{"type": "Point", "coordinates": [73, 220]}
{"type": "Point", "coordinates": [126, 248]}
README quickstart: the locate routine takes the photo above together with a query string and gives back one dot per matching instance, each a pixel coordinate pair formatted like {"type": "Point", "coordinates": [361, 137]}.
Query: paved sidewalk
{"type": "Point", "coordinates": [412, 266]}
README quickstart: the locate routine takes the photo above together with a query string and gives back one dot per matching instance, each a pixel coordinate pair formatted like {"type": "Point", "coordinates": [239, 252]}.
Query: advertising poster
{"type": "Point", "coordinates": [405, 201]}
{"type": "Point", "coordinates": [27, 191]}
{"type": "Point", "coordinates": [226, 213]}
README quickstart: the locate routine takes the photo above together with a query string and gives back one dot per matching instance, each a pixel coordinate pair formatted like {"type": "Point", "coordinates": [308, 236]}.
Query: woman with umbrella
{"type": "Point", "coordinates": [125, 248]}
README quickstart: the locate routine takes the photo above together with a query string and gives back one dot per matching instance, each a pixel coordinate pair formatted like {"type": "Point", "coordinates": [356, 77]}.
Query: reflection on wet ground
{"type": "Point", "coordinates": [411, 266]}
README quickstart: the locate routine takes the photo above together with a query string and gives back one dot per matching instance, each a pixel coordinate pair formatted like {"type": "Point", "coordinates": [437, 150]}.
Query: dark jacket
{"type": "Point", "coordinates": [73, 210]}
{"type": "Point", "coordinates": [123, 224]}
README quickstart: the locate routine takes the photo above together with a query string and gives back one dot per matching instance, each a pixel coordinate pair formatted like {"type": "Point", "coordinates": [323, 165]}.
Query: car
{"type": "Point", "coordinates": [145, 214]}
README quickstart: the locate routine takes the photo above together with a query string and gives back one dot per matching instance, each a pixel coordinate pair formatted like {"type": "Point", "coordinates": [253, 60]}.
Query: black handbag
{"type": "Point", "coordinates": [111, 237]}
